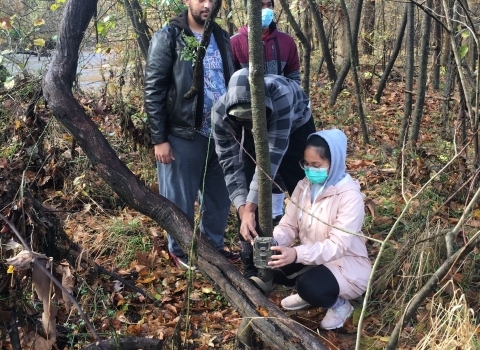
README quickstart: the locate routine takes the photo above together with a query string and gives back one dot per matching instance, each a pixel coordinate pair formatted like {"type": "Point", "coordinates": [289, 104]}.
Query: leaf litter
{"type": "Point", "coordinates": [133, 247]}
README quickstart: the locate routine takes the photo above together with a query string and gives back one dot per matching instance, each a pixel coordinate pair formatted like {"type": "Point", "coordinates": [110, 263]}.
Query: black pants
{"type": "Point", "coordinates": [317, 286]}
{"type": "Point", "coordinates": [289, 168]}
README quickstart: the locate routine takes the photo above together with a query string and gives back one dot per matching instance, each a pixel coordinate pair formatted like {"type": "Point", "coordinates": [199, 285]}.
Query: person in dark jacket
{"type": "Point", "coordinates": [289, 122]}
{"type": "Point", "coordinates": [280, 53]}
{"type": "Point", "coordinates": [181, 128]}
{"type": "Point", "coordinates": [280, 56]}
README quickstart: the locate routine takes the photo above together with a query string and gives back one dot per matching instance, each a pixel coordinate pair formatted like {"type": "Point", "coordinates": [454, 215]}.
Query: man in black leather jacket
{"type": "Point", "coordinates": [181, 128]}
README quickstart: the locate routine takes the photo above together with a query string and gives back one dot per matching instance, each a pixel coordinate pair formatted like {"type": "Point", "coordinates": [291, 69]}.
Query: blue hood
{"type": "Point", "coordinates": [337, 141]}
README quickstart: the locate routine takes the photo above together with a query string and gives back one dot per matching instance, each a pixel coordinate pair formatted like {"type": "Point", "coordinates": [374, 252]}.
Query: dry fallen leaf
{"type": "Point", "coordinates": [134, 330]}
{"type": "Point", "coordinates": [43, 287]}
{"type": "Point", "coordinates": [38, 343]}
{"type": "Point", "coordinates": [67, 282]}
{"type": "Point", "coordinates": [146, 280]}
{"type": "Point", "coordinates": [21, 261]}
{"type": "Point", "coordinates": [171, 308]}
{"type": "Point", "coordinates": [207, 290]}
{"type": "Point", "coordinates": [3, 163]}
{"type": "Point", "coordinates": [473, 223]}
{"type": "Point", "coordinates": [117, 286]}
{"type": "Point", "coordinates": [370, 205]}
{"type": "Point", "coordinates": [262, 311]}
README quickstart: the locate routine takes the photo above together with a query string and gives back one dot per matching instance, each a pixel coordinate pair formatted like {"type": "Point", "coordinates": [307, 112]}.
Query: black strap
{"type": "Point", "coordinates": [303, 270]}
{"type": "Point", "coordinates": [279, 61]}
{"type": "Point", "coordinates": [221, 40]}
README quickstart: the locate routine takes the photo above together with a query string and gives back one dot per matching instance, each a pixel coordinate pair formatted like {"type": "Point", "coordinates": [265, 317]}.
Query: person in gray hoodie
{"type": "Point", "coordinates": [289, 122]}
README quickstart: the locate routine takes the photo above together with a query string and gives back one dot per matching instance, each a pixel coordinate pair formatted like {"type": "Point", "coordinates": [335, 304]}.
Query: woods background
{"type": "Point", "coordinates": [401, 79]}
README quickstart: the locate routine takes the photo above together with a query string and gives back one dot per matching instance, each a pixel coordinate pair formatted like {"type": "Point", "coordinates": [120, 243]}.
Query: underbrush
{"type": "Point", "coordinates": [45, 160]}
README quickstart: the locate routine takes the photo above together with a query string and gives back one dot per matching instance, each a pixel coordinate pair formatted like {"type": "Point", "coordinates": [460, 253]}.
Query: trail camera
{"type": "Point", "coordinates": [262, 253]}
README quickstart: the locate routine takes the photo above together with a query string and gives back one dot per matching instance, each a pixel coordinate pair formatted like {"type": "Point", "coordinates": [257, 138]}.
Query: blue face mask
{"type": "Point", "coordinates": [267, 17]}
{"type": "Point", "coordinates": [316, 175]}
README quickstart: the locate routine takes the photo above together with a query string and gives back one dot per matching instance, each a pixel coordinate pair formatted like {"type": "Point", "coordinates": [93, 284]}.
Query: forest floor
{"type": "Point", "coordinates": [133, 246]}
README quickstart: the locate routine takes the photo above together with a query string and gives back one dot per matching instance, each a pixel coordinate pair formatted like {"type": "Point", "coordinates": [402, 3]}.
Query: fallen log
{"type": "Point", "coordinates": [132, 343]}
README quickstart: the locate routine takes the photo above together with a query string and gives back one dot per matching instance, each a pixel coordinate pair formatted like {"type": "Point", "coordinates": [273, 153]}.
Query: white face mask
{"type": "Point", "coordinates": [267, 17]}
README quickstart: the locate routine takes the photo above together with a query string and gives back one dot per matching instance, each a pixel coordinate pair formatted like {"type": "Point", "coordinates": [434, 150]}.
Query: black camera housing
{"type": "Point", "coordinates": [262, 253]}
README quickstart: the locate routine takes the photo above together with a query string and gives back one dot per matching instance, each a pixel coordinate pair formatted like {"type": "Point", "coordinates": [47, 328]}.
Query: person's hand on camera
{"type": "Point", "coordinates": [284, 256]}
{"type": "Point", "coordinates": [248, 224]}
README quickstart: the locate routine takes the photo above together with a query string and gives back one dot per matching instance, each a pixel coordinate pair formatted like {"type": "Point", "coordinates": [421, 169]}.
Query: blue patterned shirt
{"type": "Point", "coordinates": [214, 85]}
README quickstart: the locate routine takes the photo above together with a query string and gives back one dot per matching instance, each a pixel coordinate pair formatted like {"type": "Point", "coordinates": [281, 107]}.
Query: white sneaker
{"type": "Point", "coordinates": [336, 317]}
{"type": "Point", "coordinates": [294, 302]}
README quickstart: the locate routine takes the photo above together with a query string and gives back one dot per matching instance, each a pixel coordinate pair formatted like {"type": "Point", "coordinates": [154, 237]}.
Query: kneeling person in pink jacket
{"type": "Point", "coordinates": [329, 266]}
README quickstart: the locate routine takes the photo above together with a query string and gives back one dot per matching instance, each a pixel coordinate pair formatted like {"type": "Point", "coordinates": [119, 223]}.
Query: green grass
{"type": "Point", "coordinates": [231, 231]}
{"type": "Point", "coordinates": [127, 238]}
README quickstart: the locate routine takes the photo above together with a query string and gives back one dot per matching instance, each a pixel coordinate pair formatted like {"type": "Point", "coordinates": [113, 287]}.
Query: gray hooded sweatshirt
{"type": "Point", "coordinates": [288, 108]}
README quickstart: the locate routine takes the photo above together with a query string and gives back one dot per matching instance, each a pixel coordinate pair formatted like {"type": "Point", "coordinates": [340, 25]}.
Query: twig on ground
{"type": "Point", "coordinates": [104, 271]}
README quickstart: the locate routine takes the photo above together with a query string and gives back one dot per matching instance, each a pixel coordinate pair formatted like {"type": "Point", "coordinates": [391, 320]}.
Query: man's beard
{"type": "Point", "coordinates": [198, 18]}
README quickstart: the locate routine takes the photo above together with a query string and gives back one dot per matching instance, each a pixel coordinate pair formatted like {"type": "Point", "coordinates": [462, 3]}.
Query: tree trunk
{"type": "Point", "coordinates": [446, 47]}
{"type": "Point", "coordinates": [368, 27]}
{"type": "Point", "coordinates": [135, 13]}
{"type": "Point", "coordinates": [393, 58]}
{"type": "Point", "coordinates": [409, 71]}
{"type": "Point", "coordinates": [422, 74]}
{"type": "Point", "coordinates": [277, 330]}
{"type": "Point", "coordinates": [354, 60]}
{"type": "Point", "coordinates": [338, 86]}
{"type": "Point", "coordinates": [384, 41]}
{"type": "Point", "coordinates": [307, 48]}
{"type": "Point", "coordinates": [473, 112]}
{"type": "Point", "coordinates": [326, 55]}
{"type": "Point", "coordinates": [307, 51]}
{"type": "Point", "coordinates": [462, 118]}
{"type": "Point", "coordinates": [461, 75]}
{"type": "Point", "coordinates": [260, 135]}
{"type": "Point", "coordinates": [306, 24]}
{"type": "Point", "coordinates": [447, 93]}
{"type": "Point", "coordinates": [437, 52]}
{"type": "Point", "coordinates": [228, 16]}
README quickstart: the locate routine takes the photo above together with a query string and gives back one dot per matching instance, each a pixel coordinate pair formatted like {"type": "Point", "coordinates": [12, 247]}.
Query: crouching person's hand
{"type": "Point", "coordinates": [284, 256]}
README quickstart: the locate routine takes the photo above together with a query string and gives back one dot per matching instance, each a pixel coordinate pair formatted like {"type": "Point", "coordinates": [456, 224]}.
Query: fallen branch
{"type": "Point", "coordinates": [13, 330]}
{"type": "Point", "coordinates": [132, 343]}
{"type": "Point", "coordinates": [104, 271]}
{"type": "Point", "coordinates": [449, 237]}
{"type": "Point", "coordinates": [434, 97]}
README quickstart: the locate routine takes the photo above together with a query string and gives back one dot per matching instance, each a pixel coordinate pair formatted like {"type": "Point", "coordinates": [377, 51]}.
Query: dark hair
{"type": "Point", "coordinates": [245, 3]}
{"type": "Point", "coordinates": [321, 147]}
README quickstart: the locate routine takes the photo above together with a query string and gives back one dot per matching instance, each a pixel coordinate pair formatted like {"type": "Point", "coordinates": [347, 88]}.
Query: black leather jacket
{"type": "Point", "coordinates": [168, 78]}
